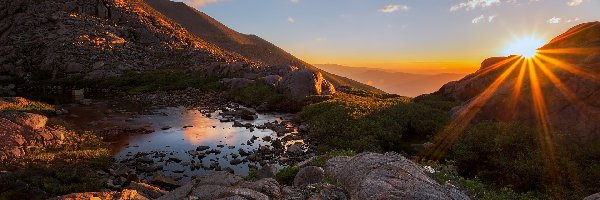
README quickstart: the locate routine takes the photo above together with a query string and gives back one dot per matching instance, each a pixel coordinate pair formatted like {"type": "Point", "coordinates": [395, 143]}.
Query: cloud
{"type": "Point", "coordinates": [477, 19]}
{"type": "Point", "coordinates": [198, 3]}
{"type": "Point", "coordinates": [557, 20]}
{"type": "Point", "coordinates": [554, 20]}
{"type": "Point", "coordinates": [291, 20]}
{"type": "Point", "coordinates": [295, 1]}
{"type": "Point", "coordinates": [472, 4]}
{"type": "Point", "coordinates": [393, 8]}
{"type": "Point", "coordinates": [574, 2]}
{"type": "Point", "coordinates": [483, 19]}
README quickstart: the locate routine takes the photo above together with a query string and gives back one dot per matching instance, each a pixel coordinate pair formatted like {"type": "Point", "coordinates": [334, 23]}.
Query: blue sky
{"type": "Point", "coordinates": [451, 35]}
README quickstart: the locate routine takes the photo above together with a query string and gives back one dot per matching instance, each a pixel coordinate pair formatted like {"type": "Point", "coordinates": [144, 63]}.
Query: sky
{"type": "Point", "coordinates": [435, 36]}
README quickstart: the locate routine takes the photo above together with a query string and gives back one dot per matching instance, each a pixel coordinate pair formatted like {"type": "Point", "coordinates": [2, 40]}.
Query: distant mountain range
{"type": "Point", "coordinates": [391, 81]}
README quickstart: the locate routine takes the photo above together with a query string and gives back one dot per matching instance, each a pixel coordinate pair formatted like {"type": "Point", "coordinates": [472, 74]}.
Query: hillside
{"type": "Point", "coordinates": [249, 46]}
{"type": "Point", "coordinates": [394, 82]}
{"type": "Point", "coordinates": [558, 88]}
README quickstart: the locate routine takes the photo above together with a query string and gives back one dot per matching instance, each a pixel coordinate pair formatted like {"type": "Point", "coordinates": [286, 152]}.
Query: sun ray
{"type": "Point", "coordinates": [584, 51]}
{"type": "Point", "coordinates": [569, 68]}
{"type": "Point", "coordinates": [517, 89]}
{"type": "Point", "coordinates": [450, 133]}
{"type": "Point", "coordinates": [495, 66]}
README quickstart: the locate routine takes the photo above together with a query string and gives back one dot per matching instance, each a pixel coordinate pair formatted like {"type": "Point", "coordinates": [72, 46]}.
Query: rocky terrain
{"type": "Point", "coordinates": [566, 71]}
{"type": "Point", "coordinates": [374, 176]}
{"type": "Point", "coordinates": [96, 40]}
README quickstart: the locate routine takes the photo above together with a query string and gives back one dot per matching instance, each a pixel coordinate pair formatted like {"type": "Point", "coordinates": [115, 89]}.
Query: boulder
{"type": "Point", "coordinates": [593, 197]}
{"type": "Point", "coordinates": [236, 83]}
{"type": "Point", "coordinates": [309, 175]}
{"type": "Point", "coordinates": [146, 190]}
{"type": "Point", "coordinates": [301, 83]}
{"type": "Point", "coordinates": [126, 194]}
{"type": "Point", "coordinates": [387, 176]}
{"type": "Point", "coordinates": [267, 171]}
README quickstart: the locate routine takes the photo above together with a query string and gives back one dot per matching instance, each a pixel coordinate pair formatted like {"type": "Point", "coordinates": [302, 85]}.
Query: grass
{"type": "Point", "coordinates": [252, 175]}
{"type": "Point", "coordinates": [25, 105]}
{"type": "Point", "coordinates": [57, 169]}
{"type": "Point", "coordinates": [286, 175]}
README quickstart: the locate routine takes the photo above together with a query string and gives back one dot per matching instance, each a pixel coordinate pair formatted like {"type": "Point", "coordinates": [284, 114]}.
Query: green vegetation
{"type": "Point", "coordinates": [524, 159]}
{"type": "Point", "coordinates": [320, 161]}
{"type": "Point", "coordinates": [286, 175]}
{"type": "Point", "coordinates": [25, 105]}
{"type": "Point", "coordinates": [57, 169]}
{"type": "Point", "coordinates": [475, 187]}
{"type": "Point", "coordinates": [252, 175]}
{"type": "Point", "coordinates": [363, 121]}
{"type": "Point", "coordinates": [257, 94]}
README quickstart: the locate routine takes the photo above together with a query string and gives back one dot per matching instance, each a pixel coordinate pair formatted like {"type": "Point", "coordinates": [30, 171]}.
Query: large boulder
{"type": "Point", "coordinates": [301, 83]}
{"type": "Point", "coordinates": [593, 197]}
{"type": "Point", "coordinates": [222, 185]}
{"type": "Point", "coordinates": [18, 130]}
{"type": "Point", "coordinates": [387, 176]}
{"type": "Point", "coordinates": [309, 175]}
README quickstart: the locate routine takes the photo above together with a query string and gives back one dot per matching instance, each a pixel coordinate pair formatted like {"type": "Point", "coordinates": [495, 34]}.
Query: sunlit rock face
{"type": "Point", "coordinates": [560, 86]}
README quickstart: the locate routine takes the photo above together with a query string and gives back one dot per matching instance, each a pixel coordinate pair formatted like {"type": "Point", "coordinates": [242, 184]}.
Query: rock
{"type": "Point", "coordinates": [126, 194]}
{"type": "Point", "coordinates": [247, 114]}
{"type": "Point", "coordinates": [389, 176]}
{"type": "Point", "coordinates": [146, 190]}
{"type": "Point", "coordinates": [295, 149]}
{"type": "Point", "coordinates": [164, 181]}
{"type": "Point", "coordinates": [202, 148]}
{"type": "Point", "coordinates": [74, 67]}
{"type": "Point", "coordinates": [302, 83]}
{"type": "Point", "coordinates": [267, 171]}
{"type": "Point", "coordinates": [20, 130]}
{"type": "Point", "coordinates": [309, 175]}
{"type": "Point", "coordinates": [235, 162]}
{"type": "Point", "coordinates": [266, 138]}
{"type": "Point", "coordinates": [593, 197]}
{"type": "Point", "coordinates": [236, 83]}
{"type": "Point", "coordinates": [272, 80]}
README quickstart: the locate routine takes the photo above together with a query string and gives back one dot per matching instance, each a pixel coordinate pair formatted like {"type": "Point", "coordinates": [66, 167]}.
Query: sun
{"type": "Point", "coordinates": [525, 47]}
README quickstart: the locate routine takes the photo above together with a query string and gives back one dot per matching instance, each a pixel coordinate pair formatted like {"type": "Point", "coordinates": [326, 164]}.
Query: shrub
{"type": "Point", "coordinates": [511, 155]}
{"type": "Point", "coordinates": [372, 122]}
{"type": "Point", "coordinates": [286, 175]}
{"type": "Point", "coordinates": [257, 94]}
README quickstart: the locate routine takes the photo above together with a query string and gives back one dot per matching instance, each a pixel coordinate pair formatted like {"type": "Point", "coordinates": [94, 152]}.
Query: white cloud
{"type": "Point", "coordinates": [472, 4]}
{"type": "Point", "coordinates": [291, 20]}
{"type": "Point", "coordinates": [198, 3]}
{"type": "Point", "coordinates": [478, 19]}
{"type": "Point", "coordinates": [491, 18]}
{"type": "Point", "coordinates": [393, 8]}
{"type": "Point", "coordinates": [295, 1]}
{"type": "Point", "coordinates": [574, 2]}
{"type": "Point", "coordinates": [554, 20]}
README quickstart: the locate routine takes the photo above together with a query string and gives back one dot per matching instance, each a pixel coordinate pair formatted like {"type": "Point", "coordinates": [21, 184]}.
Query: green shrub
{"type": "Point", "coordinates": [372, 122]}
{"type": "Point", "coordinates": [286, 175]}
{"type": "Point", "coordinates": [252, 175]}
{"type": "Point", "coordinates": [511, 155]}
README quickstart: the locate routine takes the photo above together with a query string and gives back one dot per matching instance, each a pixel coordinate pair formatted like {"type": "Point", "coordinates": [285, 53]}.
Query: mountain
{"type": "Point", "coordinates": [407, 84]}
{"type": "Point", "coordinates": [70, 40]}
{"type": "Point", "coordinates": [249, 46]}
{"type": "Point", "coordinates": [559, 88]}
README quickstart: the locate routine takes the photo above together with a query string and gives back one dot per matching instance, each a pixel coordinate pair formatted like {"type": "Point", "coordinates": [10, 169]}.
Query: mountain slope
{"type": "Point", "coordinates": [249, 46]}
{"type": "Point", "coordinates": [407, 84]}
{"type": "Point", "coordinates": [559, 88]}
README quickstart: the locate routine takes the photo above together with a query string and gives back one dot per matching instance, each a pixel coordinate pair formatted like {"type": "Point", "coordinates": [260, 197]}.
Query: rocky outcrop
{"type": "Point", "coordinates": [123, 195]}
{"type": "Point", "coordinates": [223, 185]}
{"type": "Point", "coordinates": [566, 71]}
{"type": "Point", "coordinates": [389, 176]}
{"type": "Point", "coordinates": [20, 130]}
{"type": "Point", "coordinates": [302, 83]}
{"type": "Point", "coordinates": [96, 39]}
{"type": "Point", "coordinates": [593, 197]}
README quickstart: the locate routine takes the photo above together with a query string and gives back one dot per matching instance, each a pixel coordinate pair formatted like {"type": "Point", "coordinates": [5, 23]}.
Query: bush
{"type": "Point", "coordinates": [286, 175]}
{"type": "Point", "coordinates": [510, 155]}
{"type": "Point", "coordinates": [372, 122]}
